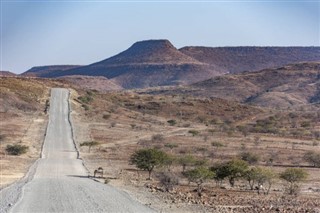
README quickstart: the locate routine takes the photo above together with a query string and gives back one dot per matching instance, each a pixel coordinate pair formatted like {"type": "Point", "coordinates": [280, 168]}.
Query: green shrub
{"type": "Point", "coordinates": [16, 149]}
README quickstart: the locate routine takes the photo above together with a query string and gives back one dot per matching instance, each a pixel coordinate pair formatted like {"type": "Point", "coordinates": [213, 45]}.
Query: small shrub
{"type": "Point", "coordinates": [16, 149]}
{"type": "Point", "coordinates": [250, 157]}
{"type": "Point", "coordinates": [194, 132]}
{"type": "Point", "coordinates": [133, 126]}
{"type": "Point", "coordinates": [313, 158]}
{"type": "Point", "coordinates": [106, 181]}
{"type": "Point", "coordinates": [172, 122]}
{"type": "Point", "coordinates": [106, 116]}
{"type": "Point", "coordinates": [168, 180]}
{"type": "Point", "coordinates": [157, 138]}
{"type": "Point", "coordinates": [217, 144]}
{"type": "Point", "coordinates": [171, 145]}
{"type": "Point", "coordinates": [85, 107]}
{"type": "Point", "coordinates": [2, 137]}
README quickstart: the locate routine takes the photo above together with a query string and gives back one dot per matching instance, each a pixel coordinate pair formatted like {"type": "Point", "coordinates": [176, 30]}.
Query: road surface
{"type": "Point", "coordinates": [60, 182]}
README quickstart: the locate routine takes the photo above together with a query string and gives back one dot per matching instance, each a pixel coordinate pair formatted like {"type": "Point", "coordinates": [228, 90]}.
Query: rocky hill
{"type": "Point", "coordinates": [293, 85]}
{"type": "Point", "coordinates": [239, 59]}
{"type": "Point", "coordinates": [148, 63]}
{"type": "Point", "coordinates": [48, 71]}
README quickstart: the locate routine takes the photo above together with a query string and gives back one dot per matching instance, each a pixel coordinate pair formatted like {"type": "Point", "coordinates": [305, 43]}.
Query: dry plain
{"type": "Point", "coordinates": [123, 122]}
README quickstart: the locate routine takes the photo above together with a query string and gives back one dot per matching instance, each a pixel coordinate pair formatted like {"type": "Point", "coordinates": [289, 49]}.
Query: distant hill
{"type": "Point", "coordinates": [288, 86]}
{"type": "Point", "coordinates": [153, 63]}
{"type": "Point", "coordinates": [239, 59]}
{"type": "Point", "coordinates": [148, 63]}
{"type": "Point", "coordinates": [7, 73]}
{"type": "Point", "coordinates": [48, 71]}
{"type": "Point", "coordinates": [101, 84]}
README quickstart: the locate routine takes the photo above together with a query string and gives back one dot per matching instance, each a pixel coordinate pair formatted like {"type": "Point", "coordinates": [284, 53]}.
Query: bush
{"type": "Point", "coordinates": [249, 157]}
{"type": "Point", "coordinates": [217, 144]}
{"type": "Point", "coordinates": [168, 180]}
{"type": "Point", "coordinates": [171, 145]}
{"type": "Point", "coordinates": [106, 116]}
{"type": "Point", "coordinates": [85, 107]}
{"type": "Point", "coordinates": [293, 176]}
{"type": "Point", "coordinates": [17, 149]}
{"type": "Point", "coordinates": [199, 175]}
{"type": "Point", "coordinates": [194, 132]}
{"type": "Point", "coordinates": [85, 99]}
{"type": "Point", "coordinates": [260, 176]}
{"type": "Point", "coordinates": [313, 158]}
{"type": "Point", "coordinates": [157, 138]}
{"type": "Point", "coordinates": [172, 122]}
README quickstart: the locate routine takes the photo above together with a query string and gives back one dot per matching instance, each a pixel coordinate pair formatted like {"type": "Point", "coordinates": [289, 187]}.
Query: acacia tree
{"type": "Point", "coordinates": [232, 170]}
{"type": "Point", "coordinates": [199, 175]}
{"type": "Point", "coordinates": [186, 160]}
{"type": "Point", "coordinates": [260, 176]}
{"type": "Point", "coordinates": [148, 159]}
{"type": "Point", "coordinates": [221, 172]}
{"type": "Point", "coordinates": [236, 169]}
{"type": "Point", "coordinates": [293, 176]}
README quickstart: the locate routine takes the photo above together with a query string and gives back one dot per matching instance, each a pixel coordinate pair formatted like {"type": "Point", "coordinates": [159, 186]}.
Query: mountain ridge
{"type": "Point", "coordinates": [153, 63]}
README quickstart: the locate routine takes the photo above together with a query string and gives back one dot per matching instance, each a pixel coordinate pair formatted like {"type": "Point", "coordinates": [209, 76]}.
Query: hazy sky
{"type": "Point", "coordinates": [40, 32]}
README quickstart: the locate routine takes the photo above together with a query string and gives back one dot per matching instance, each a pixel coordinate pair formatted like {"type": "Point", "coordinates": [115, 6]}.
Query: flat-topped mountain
{"type": "Point", "coordinates": [239, 59]}
{"type": "Point", "coordinates": [153, 63]}
{"type": "Point", "coordinates": [48, 71]}
{"type": "Point", "coordinates": [150, 52]}
{"type": "Point", "coordinates": [148, 63]}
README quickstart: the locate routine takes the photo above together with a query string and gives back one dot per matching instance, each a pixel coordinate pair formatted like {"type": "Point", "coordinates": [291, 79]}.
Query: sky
{"type": "Point", "coordinates": [39, 32]}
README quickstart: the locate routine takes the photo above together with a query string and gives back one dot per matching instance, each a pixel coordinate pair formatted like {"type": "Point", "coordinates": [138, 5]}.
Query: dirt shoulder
{"type": "Point", "coordinates": [27, 130]}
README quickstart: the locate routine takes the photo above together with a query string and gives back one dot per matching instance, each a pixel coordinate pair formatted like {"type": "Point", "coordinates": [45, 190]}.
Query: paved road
{"type": "Point", "coordinates": [60, 183]}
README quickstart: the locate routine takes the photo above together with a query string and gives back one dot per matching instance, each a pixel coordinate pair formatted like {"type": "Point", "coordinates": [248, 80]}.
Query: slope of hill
{"type": "Point", "coordinates": [148, 63]}
{"type": "Point", "coordinates": [24, 95]}
{"type": "Point", "coordinates": [7, 73]}
{"type": "Point", "coordinates": [47, 71]}
{"type": "Point", "coordinates": [238, 59]}
{"type": "Point", "coordinates": [100, 83]}
{"type": "Point", "coordinates": [289, 86]}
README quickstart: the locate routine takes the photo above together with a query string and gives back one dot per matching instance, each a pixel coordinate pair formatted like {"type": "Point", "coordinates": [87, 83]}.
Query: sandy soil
{"type": "Point", "coordinates": [27, 130]}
